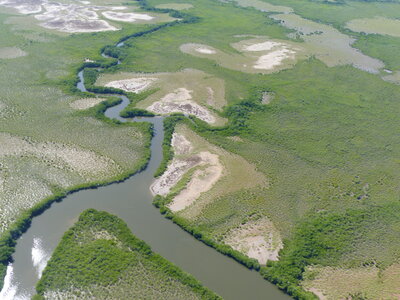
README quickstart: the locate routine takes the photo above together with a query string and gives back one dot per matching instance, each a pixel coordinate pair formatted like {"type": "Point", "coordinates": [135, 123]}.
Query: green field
{"type": "Point", "coordinates": [98, 257]}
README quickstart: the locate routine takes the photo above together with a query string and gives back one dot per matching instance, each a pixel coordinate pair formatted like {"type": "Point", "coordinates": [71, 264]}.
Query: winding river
{"type": "Point", "coordinates": [131, 200]}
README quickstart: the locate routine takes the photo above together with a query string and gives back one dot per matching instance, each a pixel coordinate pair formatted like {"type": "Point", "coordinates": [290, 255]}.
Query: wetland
{"type": "Point", "coordinates": [257, 143]}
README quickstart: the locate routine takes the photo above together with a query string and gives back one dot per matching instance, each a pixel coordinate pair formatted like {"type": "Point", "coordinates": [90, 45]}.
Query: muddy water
{"type": "Point", "coordinates": [132, 201]}
{"type": "Point", "coordinates": [320, 40]}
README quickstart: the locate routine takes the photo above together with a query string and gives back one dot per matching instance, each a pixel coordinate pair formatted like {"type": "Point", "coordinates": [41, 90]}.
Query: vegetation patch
{"type": "Point", "coordinates": [367, 282]}
{"type": "Point", "coordinates": [100, 258]}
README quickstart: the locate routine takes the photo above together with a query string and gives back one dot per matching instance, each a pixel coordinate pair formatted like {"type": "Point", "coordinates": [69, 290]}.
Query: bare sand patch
{"type": "Point", "coordinates": [394, 77]}
{"type": "Point", "coordinates": [339, 283]}
{"type": "Point", "coordinates": [257, 239]}
{"type": "Point", "coordinates": [174, 173]}
{"type": "Point", "coordinates": [85, 103]}
{"type": "Point", "coordinates": [189, 91]}
{"type": "Point", "coordinates": [180, 100]}
{"type": "Point", "coordinates": [202, 180]}
{"type": "Point", "coordinates": [271, 60]}
{"type": "Point", "coordinates": [180, 144]}
{"type": "Point", "coordinates": [23, 6]}
{"type": "Point", "coordinates": [263, 46]}
{"type": "Point", "coordinates": [258, 54]}
{"type": "Point", "coordinates": [72, 18]}
{"type": "Point", "coordinates": [267, 97]}
{"type": "Point", "coordinates": [126, 17]}
{"type": "Point", "coordinates": [270, 53]}
{"type": "Point", "coordinates": [214, 172]}
{"type": "Point", "coordinates": [11, 52]}
{"type": "Point", "coordinates": [205, 50]}
{"type": "Point", "coordinates": [177, 168]}
{"type": "Point", "coordinates": [185, 159]}
{"type": "Point", "coordinates": [198, 48]}
{"type": "Point", "coordinates": [133, 85]}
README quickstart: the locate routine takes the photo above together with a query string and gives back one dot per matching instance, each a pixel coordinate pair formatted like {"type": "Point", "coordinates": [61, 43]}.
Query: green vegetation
{"type": "Point", "coordinates": [100, 257]}
{"type": "Point", "coordinates": [36, 92]}
{"type": "Point", "coordinates": [327, 142]}
{"type": "Point", "coordinates": [329, 238]}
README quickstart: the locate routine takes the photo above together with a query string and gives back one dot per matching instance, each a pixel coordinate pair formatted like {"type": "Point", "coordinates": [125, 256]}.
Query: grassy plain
{"type": "Point", "coordinates": [99, 258]}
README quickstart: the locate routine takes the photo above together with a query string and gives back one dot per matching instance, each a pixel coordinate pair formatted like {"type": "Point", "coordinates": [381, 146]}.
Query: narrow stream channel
{"type": "Point", "coordinates": [131, 200]}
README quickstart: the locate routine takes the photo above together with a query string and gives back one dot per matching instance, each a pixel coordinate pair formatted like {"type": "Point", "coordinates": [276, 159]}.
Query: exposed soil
{"type": "Point", "coordinates": [257, 239]}
{"type": "Point", "coordinates": [180, 100]}
{"type": "Point", "coordinates": [201, 181]}
{"type": "Point", "coordinates": [133, 85]}
{"type": "Point", "coordinates": [85, 103]}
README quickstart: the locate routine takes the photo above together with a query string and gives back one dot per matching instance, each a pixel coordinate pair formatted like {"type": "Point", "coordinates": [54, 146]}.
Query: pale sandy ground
{"type": "Point", "coordinates": [258, 53]}
{"type": "Point", "coordinates": [177, 168]}
{"type": "Point", "coordinates": [274, 53]}
{"type": "Point", "coordinates": [264, 46]}
{"type": "Point", "coordinates": [337, 283]}
{"type": "Point", "coordinates": [72, 18]}
{"type": "Point", "coordinates": [271, 60]}
{"type": "Point", "coordinates": [394, 77]}
{"type": "Point", "coordinates": [180, 144]}
{"type": "Point", "coordinates": [76, 17]}
{"type": "Point", "coordinates": [267, 97]}
{"type": "Point", "coordinates": [190, 92]}
{"type": "Point", "coordinates": [236, 174]}
{"type": "Point", "coordinates": [174, 173]}
{"type": "Point", "coordinates": [204, 50]}
{"type": "Point", "coordinates": [22, 6]}
{"type": "Point", "coordinates": [85, 103]}
{"type": "Point", "coordinates": [202, 180]}
{"type": "Point", "coordinates": [199, 48]}
{"type": "Point", "coordinates": [11, 52]}
{"type": "Point", "coordinates": [126, 17]}
{"type": "Point", "coordinates": [180, 100]}
{"type": "Point", "coordinates": [257, 239]}
{"type": "Point", "coordinates": [133, 85]}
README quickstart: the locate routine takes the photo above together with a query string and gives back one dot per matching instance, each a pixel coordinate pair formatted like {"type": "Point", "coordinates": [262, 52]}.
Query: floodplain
{"type": "Point", "coordinates": [281, 151]}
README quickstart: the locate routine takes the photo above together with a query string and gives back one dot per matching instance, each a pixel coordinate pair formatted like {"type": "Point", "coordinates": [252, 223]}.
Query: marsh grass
{"type": "Point", "coordinates": [100, 257]}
